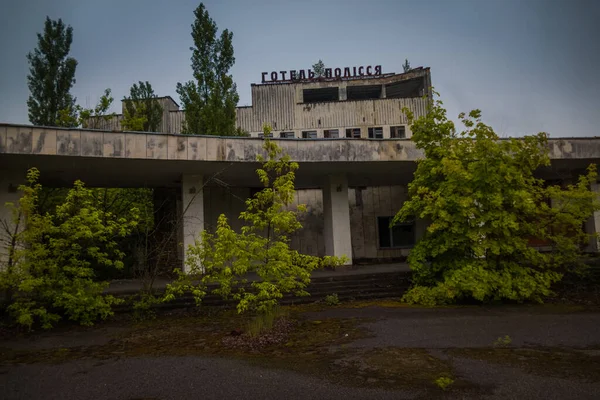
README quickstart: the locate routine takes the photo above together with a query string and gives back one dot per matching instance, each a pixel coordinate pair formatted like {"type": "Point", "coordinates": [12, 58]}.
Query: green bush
{"type": "Point", "coordinates": [444, 382]}
{"type": "Point", "coordinates": [48, 274]}
{"type": "Point", "coordinates": [332, 299]}
{"type": "Point", "coordinates": [485, 204]}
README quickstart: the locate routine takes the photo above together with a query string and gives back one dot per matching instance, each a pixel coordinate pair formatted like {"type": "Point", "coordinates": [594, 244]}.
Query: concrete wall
{"type": "Point", "coordinates": [373, 202]}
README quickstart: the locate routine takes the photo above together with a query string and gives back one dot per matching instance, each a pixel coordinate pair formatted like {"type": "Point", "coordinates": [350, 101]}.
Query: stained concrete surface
{"type": "Point", "coordinates": [473, 326]}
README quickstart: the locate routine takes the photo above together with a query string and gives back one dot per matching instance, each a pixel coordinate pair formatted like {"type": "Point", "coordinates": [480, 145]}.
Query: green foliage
{"type": "Point", "coordinates": [444, 382]}
{"type": "Point", "coordinates": [262, 247]}
{"type": "Point", "coordinates": [332, 299]}
{"type": "Point", "coordinates": [263, 322]}
{"type": "Point", "coordinates": [406, 66]}
{"type": "Point", "coordinates": [48, 273]}
{"type": "Point", "coordinates": [87, 118]}
{"type": "Point", "coordinates": [143, 307]}
{"type": "Point", "coordinates": [51, 74]}
{"type": "Point", "coordinates": [209, 101]}
{"type": "Point", "coordinates": [485, 206]}
{"type": "Point", "coordinates": [143, 112]}
{"type": "Point", "coordinates": [319, 69]}
{"type": "Point", "coordinates": [503, 341]}
{"type": "Point", "coordinates": [127, 203]}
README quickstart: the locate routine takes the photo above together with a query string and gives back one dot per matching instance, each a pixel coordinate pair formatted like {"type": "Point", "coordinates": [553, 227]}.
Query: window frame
{"type": "Point", "coordinates": [329, 131]}
{"type": "Point", "coordinates": [391, 233]}
{"type": "Point", "coordinates": [372, 134]}
{"type": "Point", "coordinates": [352, 131]}
{"type": "Point", "coordinates": [283, 135]}
{"type": "Point", "coordinates": [394, 132]}
{"type": "Point", "coordinates": [305, 134]}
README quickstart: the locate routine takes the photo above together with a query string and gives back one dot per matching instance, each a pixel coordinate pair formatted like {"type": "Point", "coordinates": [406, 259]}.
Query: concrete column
{"type": "Point", "coordinates": [593, 225]}
{"type": "Point", "coordinates": [336, 210]}
{"type": "Point", "coordinates": [192, 205]}
{"type": "Point", "coordinates": [9, 193]}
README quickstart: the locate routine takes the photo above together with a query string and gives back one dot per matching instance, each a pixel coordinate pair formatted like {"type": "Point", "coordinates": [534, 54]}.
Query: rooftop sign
{"type": "Point", "coordinates": [302, 75]}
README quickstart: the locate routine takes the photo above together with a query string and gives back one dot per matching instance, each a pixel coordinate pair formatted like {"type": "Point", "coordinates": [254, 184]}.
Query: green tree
{"type": "Point", "coordinates": [262, 246]}
{"type": "Point", "coordinates": [406, 66]}
{"type": "Point", "coordinates": [485, 204]}
{"type": "Point", "coordinates": [319, 69]}
{"type": "Point", "coordinates": [209, 101]}
{"type": "Point", "coordinates": [51, 74]}
{"type": "Point", "coordinates": [143, 111]}
{"type": "Point", "coordinates": [87, 118]}
{"type": "Point", "coordinates": [48, 274]}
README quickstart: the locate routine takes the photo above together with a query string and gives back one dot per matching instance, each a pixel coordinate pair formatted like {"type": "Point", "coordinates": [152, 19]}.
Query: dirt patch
{"type": "Point", "coordinates": [312, 347]}
{"type": "Point", "coordinates": [583, 364]}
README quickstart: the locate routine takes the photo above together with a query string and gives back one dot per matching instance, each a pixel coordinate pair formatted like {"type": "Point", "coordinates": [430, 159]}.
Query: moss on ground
{"type": "Point", "coordinates": [317, 348]}
{"type": "Point", "coordinates": [582, 364]}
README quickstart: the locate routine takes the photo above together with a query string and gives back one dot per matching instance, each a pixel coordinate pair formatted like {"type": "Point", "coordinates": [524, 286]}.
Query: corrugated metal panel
{"type": "Point", "coordinates": [245, 119]}
{"type": "Point", "coordinates": [112, 124]}
{"type": "Point", "coordinates": [274, 105]}
{"type": "Point", "coordinates": [176, 119]}
{"type": "Point", "coordinates": [356, 113]}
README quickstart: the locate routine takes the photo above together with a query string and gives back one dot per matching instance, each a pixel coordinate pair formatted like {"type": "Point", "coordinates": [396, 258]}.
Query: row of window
{"type": "Point", "coordinates": [396, 132]}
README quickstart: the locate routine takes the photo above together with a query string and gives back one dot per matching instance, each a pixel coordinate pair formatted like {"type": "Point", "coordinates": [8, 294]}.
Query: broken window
{"type": "Point", "coordinates": [399, 235]}
{"type": "Point", "coordinates": [287, 135]}
{"type": "Point", "coordinates": [321, 94]}
{"type": "Point", "coordinates": [309, 134]}
{"type": "Point", "coordinates": [405, 89]}
{"type": "Point", "coordinates": [376, 133]}
{"type": "Point", "coordinates": [353, 133]}
{"type": "Point", "coordinates": [398, 132]}
{"type": "Point", "coordinates": [262, 135]}
{"type": "Point", "coordinates": [363, 92]}
{"type": "Point", "coordinates": [331, 133]}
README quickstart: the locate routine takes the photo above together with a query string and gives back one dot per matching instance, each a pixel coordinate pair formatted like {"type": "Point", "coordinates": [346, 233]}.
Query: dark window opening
{"type": "Point", "coordinates": [399, 235]}
{"type": "Point", "coordinates": [262, 135]}
{"type": "Point", "coordinates": [331, 133]}
{"type": "Point", "coordinates": [287, 135]}
{"type": "Point", "coordinates": [405, 89]}
{"type": "Point", "coordinates": [309, 134]}
{"type": "Point", "coordinates": [320, 95]}
{"type": "Point", "coordinates": [353, 133]}
{"type": "Point", "coordinates": [363, 92]}
{"type": "Point", "coordinates": [398, 132]}
{"type": "Point", "coordinates": [376, 133]}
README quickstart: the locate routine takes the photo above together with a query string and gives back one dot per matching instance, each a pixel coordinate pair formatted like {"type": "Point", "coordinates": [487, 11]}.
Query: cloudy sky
{"type": "Point", "coordinates": [529, 65]}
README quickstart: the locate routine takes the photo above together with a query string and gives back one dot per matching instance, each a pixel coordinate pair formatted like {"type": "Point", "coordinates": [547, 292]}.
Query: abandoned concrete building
{"type": "Point", "coordinates": [348, 134]}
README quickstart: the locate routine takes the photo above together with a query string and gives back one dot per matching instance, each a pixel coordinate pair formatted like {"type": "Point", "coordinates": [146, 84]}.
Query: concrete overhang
{"type": "Point", "coordinates": [138, 159]}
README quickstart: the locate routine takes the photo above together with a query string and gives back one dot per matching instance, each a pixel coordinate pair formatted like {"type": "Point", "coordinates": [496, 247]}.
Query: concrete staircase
{"type": "Point", "coordinates": [355, 286]}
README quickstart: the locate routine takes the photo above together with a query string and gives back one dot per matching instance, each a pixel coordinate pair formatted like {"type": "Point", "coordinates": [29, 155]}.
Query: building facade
{"type": "Point", "coordinates": [368, 106]}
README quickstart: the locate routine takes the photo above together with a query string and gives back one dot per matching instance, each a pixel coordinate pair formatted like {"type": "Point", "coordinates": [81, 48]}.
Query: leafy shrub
{"type": "Point", "coordinates": [486, 206]}
{"type": "Point", "coordinates": [444, 382]}
{"type": "Point", "coordinates": [48, 274]}
{"type": "Point", "coordinates": [332, 299]}
{"type": "Point", "coordinates": [503, 341]}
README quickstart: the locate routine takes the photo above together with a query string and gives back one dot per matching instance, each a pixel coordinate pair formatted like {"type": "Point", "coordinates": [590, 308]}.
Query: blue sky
{"type": "Point", "coordinates": [529, 65]}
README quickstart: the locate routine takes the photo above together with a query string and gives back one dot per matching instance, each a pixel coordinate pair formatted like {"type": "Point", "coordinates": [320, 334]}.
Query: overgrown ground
{"type": "Point", "coordinates": [377, 344]}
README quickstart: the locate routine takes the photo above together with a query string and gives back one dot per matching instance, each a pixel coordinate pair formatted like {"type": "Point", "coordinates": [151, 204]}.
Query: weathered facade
{"type": "Point", "coordinates": [349, 136]}
{"type": "Point", "coordinates": [323, 108]}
